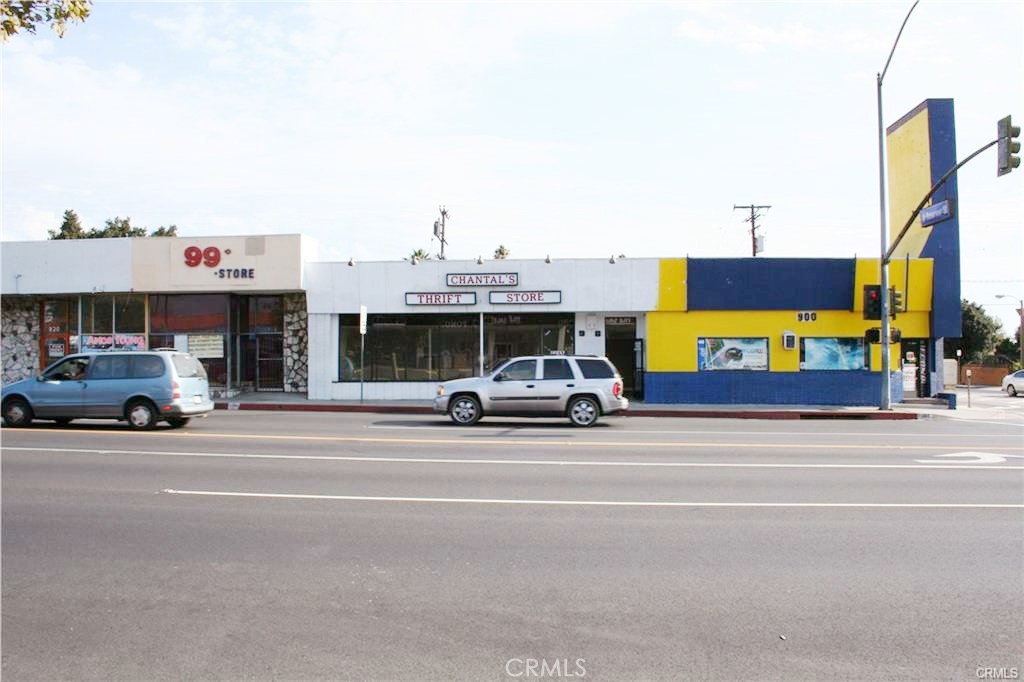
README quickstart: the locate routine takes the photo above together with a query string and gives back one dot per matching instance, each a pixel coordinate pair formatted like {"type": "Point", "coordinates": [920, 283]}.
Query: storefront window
{"type": "Point", "coordinates": [508, 336]}
{"type": "Point", "coordinates": [411, 347]}
{"type": "Point", "coordinates": [113, 321]}
{"type": "Point", "coordinates": [833, 354]}
{"type": "Point", "coordinates": [98, 314]}
{"type": "Point", "coordinates": [261, 314]}
{"type": "Point", "coordinates": [183, 313]}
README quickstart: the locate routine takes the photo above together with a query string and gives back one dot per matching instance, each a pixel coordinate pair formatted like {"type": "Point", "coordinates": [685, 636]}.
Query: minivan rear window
{"type": "Point", "coordinates": [147, 366]}
{"type": "Point", "coordinates": [596, 369]}
{"type": "Point", "coordinates": [188, 367]}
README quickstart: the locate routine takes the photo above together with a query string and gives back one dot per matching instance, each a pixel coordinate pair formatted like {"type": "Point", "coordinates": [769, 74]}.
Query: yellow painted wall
{"type": "Point", "coordinates": [909, 171]}
{"type": "Point", "coordinates": [672, 284]}
{"type": "Point", "coordinates": [917, 289]}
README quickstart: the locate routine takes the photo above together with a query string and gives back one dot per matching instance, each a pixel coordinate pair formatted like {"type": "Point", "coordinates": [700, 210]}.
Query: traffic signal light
{"type": "Point", "coordinates": [873, 335]}
{"type": "Point", "coordinates": [895, 302]}
{"type": "Point", "coordinates": [1008, 146]}
{"type": "Point", "coordinates": [872, 302]}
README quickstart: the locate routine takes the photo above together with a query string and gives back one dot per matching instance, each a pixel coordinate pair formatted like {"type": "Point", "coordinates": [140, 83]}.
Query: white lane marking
{"type": "Point", "coordinates": [489, 442]}
{"type": "Point", "coordinates": [521, 462]}
{"type": "Point", "coordinates": [592, 503]}
{"type": "Point", "coordinates": [694, 432]}
{"type": "Point", "coordinates": [968, 458]}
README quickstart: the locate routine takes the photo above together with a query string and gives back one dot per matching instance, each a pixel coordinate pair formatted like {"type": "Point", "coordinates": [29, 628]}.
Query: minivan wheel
{"type": "Point", "coordinates": [464, 410]}
{"type": "Point", "coordinates": [583, 412]}
{"type": "Point", "coordinates": [17, 412]}
{"type": "Point", "coordinates": [141, 415]}
{"type": "Point", "coordinates": [177, 422]}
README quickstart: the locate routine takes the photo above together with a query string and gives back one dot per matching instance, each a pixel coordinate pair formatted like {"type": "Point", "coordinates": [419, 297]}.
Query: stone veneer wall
{"type": "Point", "coordinates": [19, 337]}
{"type": "Point", "coordinates": [296, 343]}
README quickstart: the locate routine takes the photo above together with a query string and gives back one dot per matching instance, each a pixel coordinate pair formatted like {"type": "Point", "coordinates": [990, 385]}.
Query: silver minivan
{"type": "Point", "coordinates": [139, 387]}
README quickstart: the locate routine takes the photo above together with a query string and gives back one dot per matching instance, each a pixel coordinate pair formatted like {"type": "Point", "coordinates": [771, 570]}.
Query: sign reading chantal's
{"type": "Point", "coordinates": [440, 298]}
{"type": "Point", "coordinates": [482, 279]}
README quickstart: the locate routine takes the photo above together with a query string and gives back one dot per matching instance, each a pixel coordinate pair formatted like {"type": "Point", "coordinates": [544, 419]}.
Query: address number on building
{"type": "Point", "coordinates": [807, 316]}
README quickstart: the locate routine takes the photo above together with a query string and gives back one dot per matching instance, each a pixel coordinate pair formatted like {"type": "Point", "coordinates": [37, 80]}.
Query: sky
{"type": "Point", "coordinates": [567, 129]}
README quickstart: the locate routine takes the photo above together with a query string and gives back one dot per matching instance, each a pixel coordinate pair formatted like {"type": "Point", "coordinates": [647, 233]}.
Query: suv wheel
{"type": "Point", "coordinates": [141, 415]}
{"type": "Point", "coordinates": [17, 412]}
{"type": "Point", "coordinates": [583, 411]}
{"type": "Point", "coordinates": [464, 410]}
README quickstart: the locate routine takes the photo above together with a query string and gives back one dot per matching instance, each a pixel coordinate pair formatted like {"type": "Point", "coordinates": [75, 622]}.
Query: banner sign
{"type": "Point", "coordinates": [726, 354]}
{"type": "Point", "coordinates": [830, 353]}
{"type": "Point", "coordinates": [440, 298]}
{"type": "Point", "coordinates": [109, 341]}
{"type": "Point", "coordinates": [206, 345]}
{"type": "Point", "coordinates": [524, 297]}
{"type": "Point", "coordinates": [482, 279]}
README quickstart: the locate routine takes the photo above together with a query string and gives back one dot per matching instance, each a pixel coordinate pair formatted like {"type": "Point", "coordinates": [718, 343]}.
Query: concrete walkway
{"type": "Point", "coordinates": [986, 403]}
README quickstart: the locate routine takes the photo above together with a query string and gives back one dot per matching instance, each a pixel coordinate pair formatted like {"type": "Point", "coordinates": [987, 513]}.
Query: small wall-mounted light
{"type": "Point", "coordinates": [414, 261]}
{"type": "Point", "coordinates": [351, 262]}
{"type": "Point", "coordinates": [548, 259]}
{"type": "Point", "coordinates": [612, 259]}
{"type": "Point", "coordinates": [479, 260]}
{"type": "Point", "coordinates": [582, 333]}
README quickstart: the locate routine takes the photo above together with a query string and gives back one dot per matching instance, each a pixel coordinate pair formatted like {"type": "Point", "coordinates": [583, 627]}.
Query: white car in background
{"type": "Point", "coordinates": [579, 387]}
{"type": "Point", "coordinates": [1013, 383]}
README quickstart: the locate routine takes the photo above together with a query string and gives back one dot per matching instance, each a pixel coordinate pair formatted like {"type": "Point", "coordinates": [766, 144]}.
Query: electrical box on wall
{"type": "Point", "coordinates": [789, 340]}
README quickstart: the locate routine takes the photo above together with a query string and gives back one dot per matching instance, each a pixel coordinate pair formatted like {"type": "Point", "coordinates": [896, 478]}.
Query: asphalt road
{"type": "Point", "coordinates": [364, 547]}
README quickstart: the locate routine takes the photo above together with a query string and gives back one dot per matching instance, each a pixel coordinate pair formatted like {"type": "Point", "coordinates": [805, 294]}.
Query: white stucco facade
{"type": "Point", "coordinates": [590, 289]}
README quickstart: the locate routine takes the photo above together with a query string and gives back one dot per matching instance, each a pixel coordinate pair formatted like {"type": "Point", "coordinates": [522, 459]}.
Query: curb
{"type": "Point", "coordinates": [699, 414]}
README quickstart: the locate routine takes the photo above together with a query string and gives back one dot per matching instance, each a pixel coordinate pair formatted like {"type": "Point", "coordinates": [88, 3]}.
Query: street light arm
{"type": "Point", "coordinates": [935, 188]}
{"type": "Point", "coordinates": [896, 42]}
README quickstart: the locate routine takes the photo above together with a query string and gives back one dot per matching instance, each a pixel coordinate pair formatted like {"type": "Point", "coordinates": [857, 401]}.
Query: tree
{"type": "Point", "coordinates": [419, 254]}
{"type": "Point", "coordinates": [118, 227]}
{"type": "Point", "coordinates": [26, 15]}
{"type": "Point", "coordinates": [501, 253]}
{"type": "Point", "coordinates": [162, 231]}
{"type": "Point", "coordinates": [980, 332]}
{"type": "Point", "coordinates": [71, 228]}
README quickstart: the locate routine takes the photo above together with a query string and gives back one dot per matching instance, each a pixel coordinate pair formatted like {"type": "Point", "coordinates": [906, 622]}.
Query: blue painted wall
{"type": "Point", "coordinates": [770, 283]}
{"type": "Point", "coordinates": [768, 388]}
{"type": "Point", "coordinates": [944, 243]}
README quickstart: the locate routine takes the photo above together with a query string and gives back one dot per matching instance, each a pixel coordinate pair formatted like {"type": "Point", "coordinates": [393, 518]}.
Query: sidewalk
{"type": "Point", "coordinates": [984, 405]}
{"type": "Point", "coordinates": [987, 403]}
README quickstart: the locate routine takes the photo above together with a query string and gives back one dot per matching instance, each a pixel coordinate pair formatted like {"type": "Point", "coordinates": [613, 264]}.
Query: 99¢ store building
{"type": "Point", "coordinates": [237, 303]}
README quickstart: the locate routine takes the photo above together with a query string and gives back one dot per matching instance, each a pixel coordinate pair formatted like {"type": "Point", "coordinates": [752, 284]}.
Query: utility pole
{"type": "Point", "coordinates": [754, 215]}
{"type": "Point", "coordinates": [439, 226]}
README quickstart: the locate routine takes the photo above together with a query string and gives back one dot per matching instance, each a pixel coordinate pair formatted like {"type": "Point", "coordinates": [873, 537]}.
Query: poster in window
{"type": "Point", "coordinates": [206, 345]}
{"type": "Point", "coordinates": [732, 353]}
{"type": "Point", "coordinates": [833, 354]}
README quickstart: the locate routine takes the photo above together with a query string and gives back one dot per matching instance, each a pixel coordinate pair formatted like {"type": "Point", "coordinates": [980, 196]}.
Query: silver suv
{"type": "Point", "coordinates": [580, 387]}
{"type": "Point", "coordinates": [140, 387]}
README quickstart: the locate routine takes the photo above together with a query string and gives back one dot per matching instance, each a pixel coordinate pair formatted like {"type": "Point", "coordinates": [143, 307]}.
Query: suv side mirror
{"type": "Point", "coordinates": [502, 376]}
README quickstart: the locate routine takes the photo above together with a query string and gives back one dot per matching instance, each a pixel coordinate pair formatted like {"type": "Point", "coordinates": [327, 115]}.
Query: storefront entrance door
{"type": "Point", "coordinates": [261, 362]}
{"type": "Point", "coordinates": [621, 347]}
